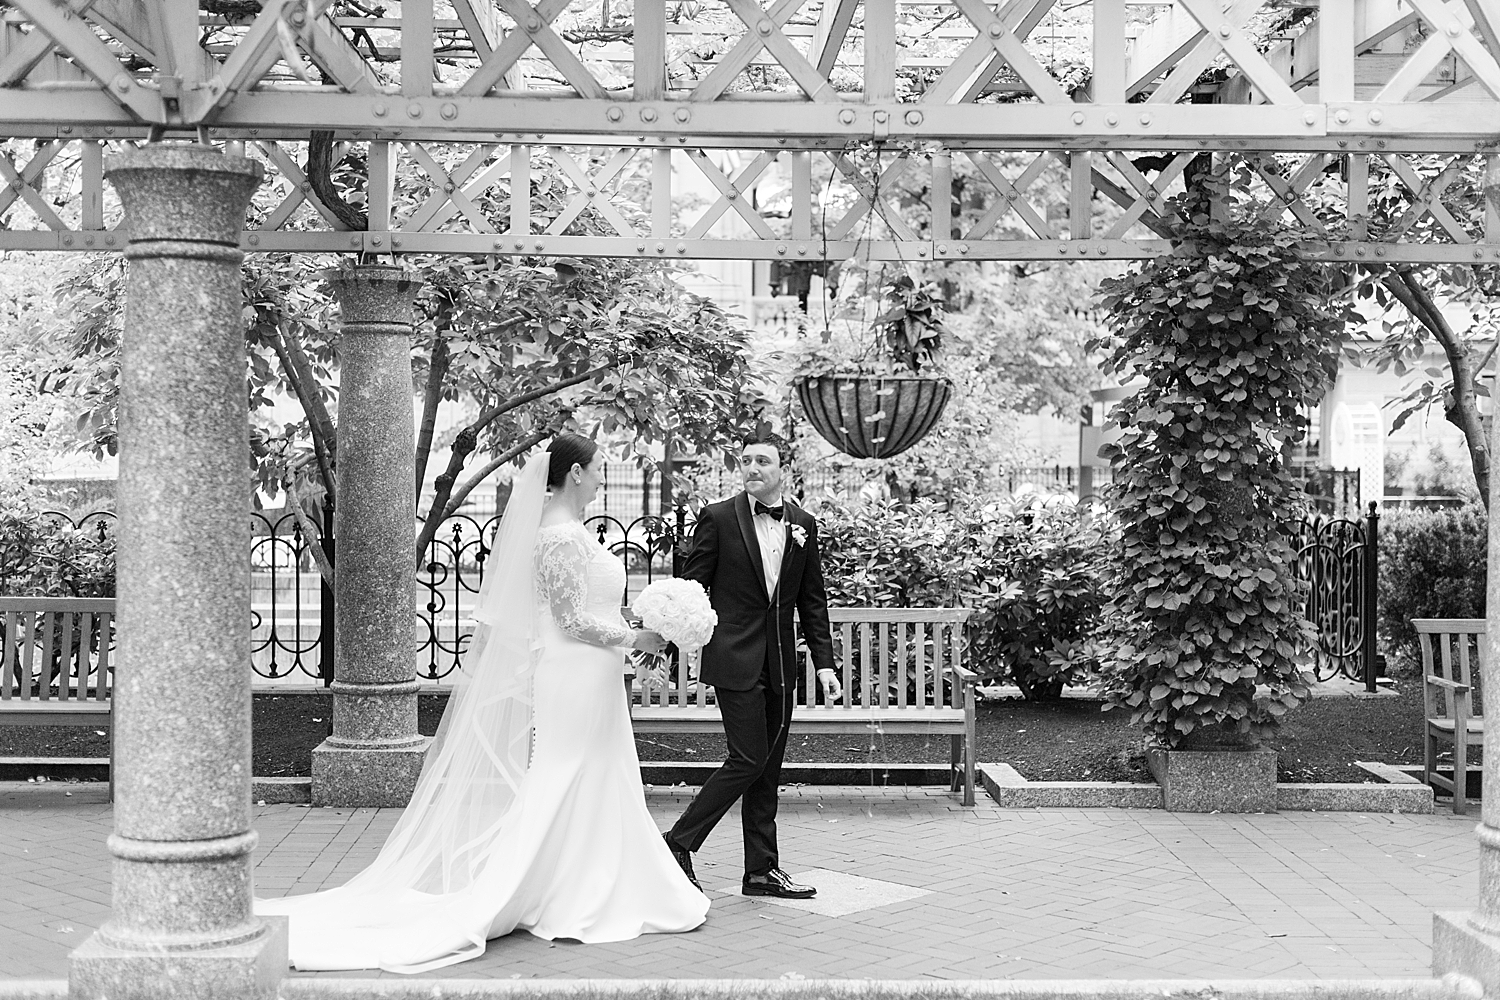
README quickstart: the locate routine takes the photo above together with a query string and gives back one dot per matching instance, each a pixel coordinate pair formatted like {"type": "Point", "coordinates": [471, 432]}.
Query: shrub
{"type": "Point", "coordinates": [43, 554]}
{"type": "Point", "coordinates": [1432, 565]}
{"type": "Point", "coordinates": [1233, 334]}
{"type": "Point", "coordinates": [1033, 576]}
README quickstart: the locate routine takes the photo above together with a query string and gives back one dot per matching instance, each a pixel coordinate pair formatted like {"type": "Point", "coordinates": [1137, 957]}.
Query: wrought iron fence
{"type": "Point", "coordinates": [292, 607]}
{"type": "Point", "coordinates": [1338, 559]}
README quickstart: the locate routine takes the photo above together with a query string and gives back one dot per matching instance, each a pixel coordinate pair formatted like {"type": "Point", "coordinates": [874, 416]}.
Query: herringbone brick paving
{"type": "Point", "coordinates": [1048, 893]}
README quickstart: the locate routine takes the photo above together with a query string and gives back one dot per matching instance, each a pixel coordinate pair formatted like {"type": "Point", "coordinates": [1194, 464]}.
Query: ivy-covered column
{"type": "Point", "coordinates": [1468, 944]}
{"type": "Point", "coordinates": [375, 753]}
{"type": "Point", "coordinates": [181, 923]}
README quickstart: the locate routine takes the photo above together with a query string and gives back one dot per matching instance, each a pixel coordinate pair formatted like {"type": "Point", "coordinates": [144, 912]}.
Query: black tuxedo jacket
{"type": "Point", "coordinates": [755, 630]}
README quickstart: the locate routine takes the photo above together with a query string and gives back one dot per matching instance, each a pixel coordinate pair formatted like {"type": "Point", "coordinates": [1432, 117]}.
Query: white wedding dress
{"type": "Point", "coordinates": [573, 853]}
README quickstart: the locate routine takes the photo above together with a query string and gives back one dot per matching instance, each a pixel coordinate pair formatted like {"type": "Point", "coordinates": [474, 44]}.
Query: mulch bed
{"type": "Point", "coordinates": [1071, 740]}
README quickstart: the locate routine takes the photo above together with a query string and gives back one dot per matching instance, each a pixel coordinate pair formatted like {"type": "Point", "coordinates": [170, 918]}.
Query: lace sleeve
{"type": "Point", "coordinates": [562, 560]}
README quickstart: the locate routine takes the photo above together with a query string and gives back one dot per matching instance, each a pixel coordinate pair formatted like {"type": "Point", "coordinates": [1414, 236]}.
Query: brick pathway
{"type": "Point", "coordinates": [1008, 894]}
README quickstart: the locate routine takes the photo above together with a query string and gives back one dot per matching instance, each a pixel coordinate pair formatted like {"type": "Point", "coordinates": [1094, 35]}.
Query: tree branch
{"type": "Point", "coordinates": [463, 445]}
{"type": "Point", "coordinates": [320, 177]}
{"type": "Point", "coordinates": [1463, 409]}
{"type": "Point", "coordinates": [299, 374]}
{"type": "Point", "coordinates": [461, 493]}
{"type": "Point", "coordinates": [310, 530]}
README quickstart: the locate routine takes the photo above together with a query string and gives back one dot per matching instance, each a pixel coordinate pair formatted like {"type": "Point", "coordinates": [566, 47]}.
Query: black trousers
{"type": "Point", "coordinates": [755, 725]}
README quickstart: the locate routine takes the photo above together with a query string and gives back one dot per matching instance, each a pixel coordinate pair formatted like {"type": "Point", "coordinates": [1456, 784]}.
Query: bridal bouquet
{"type": "Point", "coordinates": [679, 610]}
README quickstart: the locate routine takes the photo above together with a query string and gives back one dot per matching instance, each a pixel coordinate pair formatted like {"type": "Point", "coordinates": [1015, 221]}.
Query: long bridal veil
{"type": "Point", "coordinates": [470, 778]}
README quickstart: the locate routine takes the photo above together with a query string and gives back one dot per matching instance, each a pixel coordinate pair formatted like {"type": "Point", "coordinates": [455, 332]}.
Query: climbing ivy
{"type": "Point", "coordinates": [1233, 333]}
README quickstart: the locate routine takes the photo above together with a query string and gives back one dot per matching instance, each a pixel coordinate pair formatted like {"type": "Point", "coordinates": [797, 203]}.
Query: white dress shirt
{"type": "Point", "coordinates": [771, 534]}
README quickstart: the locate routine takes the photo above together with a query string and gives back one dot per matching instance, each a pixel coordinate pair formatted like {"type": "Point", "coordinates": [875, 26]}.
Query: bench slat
{"type": "Point", "coordinates": [846, 657]}
{"type": "Point", "coordinates": [885, 665]}
{"type": "Point", "coordinates": [105, 666]}
{"type": "Point", "coordinates": [28, 652]}
{"type": "Point", "coordinates": [47, 622]}
{"type": "Point", "coordinates": [34, 604]}
{"type": "Point", "coordinates": [9, 657]}
{"type": "Point", "coordinates": [840, 615]}
{"type": "Point", "coordinates": [901, 700]}
{"type": "Point", "coordinates": [67, 661]}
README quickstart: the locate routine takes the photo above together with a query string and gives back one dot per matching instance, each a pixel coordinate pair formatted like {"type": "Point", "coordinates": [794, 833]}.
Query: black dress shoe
{"type": "Point", "coordinates": [776, 883]}
{"type": "Point", "coordinates": [684, 859]}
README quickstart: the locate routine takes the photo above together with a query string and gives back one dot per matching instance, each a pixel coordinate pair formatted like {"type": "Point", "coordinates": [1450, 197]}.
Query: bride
{"type": "Point", "coordinates": [529, 813]}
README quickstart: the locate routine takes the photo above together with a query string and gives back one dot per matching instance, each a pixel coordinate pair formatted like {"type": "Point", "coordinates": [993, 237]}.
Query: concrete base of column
{"type": "Point", "coordinates": [1461, 949]}
{"type": "Point", "coordinates": [353, 777]}
{"type": "Point", "coordinates": [253, 970]}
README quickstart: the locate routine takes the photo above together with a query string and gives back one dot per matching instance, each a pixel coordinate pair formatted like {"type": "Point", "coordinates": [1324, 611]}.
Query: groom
{"type": "Point", "coordinates": [757, 556]}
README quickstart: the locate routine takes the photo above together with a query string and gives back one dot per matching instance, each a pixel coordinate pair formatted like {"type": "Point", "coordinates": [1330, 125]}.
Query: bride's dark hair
{"type": "Point", "coordinates": [568, 450]}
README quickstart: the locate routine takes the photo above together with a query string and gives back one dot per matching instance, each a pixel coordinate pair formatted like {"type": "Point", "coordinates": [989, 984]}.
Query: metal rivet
{"type": "Point", "coordinates": [1455, 29]}
{"type": "Point", "coordinates": [381, 110]}
{"type": "Point", "coordinates": [731, 194]}
{"type": "Point", "coordinates": [1310, 118]}
{"type": "Point", "coordinates": [914, 118]}
{"type": "Point", "coordinates": [414, 110]}
{"type": "Point", "coordinates": [1380, 253]}
{"type": "Point", "coordinates": [520, 245]}
{"type": "Point", "coordinates": [592, 190]}
{"type": "Point", "coordinates": [781, 141]}
{"type": "Point", "coordinates": [1062, 249]}
{"type": "Point", "coordinates": [648, 114]}
{"type": "Point", "coordinates": [802, 250]}
{"type": "Point", "coordinates": [1111, 120]}
{"type": "Point", "coordinates": [881, 116]}
{"type": "Point", "coordinates": [533, 24]}
{"type": "Point", "coordinates": [640, 248]}
{"type": "Point", "coordinates": [395, 243]}
{"type": "Point", "coordinates": [1102, 249]}
{"type": "Point", "coordinates": [449, 111]}
{"type": "Point", "coordinates": [1146, 119]}
{"type": "Point", "coordinates": [1478, 254]}
{"type": "Point", "coordinates": [376, 241]}
{"type": "Point", "coordinates": [963, 248]}
{"type": "Point", "coordinates": [1376, 117]}
{"type": "Point", "coordinates": [88, 241]}
{"type": "Point", "coordinates": [109, 130]}
{"type": "Point", "coordinates": [763, 26]}
{"type": "Point", "coordinates": [1343, 116]}
{"type": "Point", "coordinates": [682, 248]}
{"type": "Point", "coordinates": [661, 248]}
{"type": "Point", "coordinates": [67, 130]}
{"type": "Point", "coordinates": [67, 241]}
{"type": "Point", "coordinates": [255, 241]}
{"type": "Point", "coordinates": [847, 116]}
{"type": "Point", "coordinates": [682, 114]}
{"type": "Point", "coordinates": [109, 241]}
{"type": "Point", "coordinates": [1078, 118]}
{"type": "Point", "coordinates": [942, 248]}
{"type": "Point", "coordinates": [539, 245]}
{"type": "Point", "coordinates": [122, 83]}
{"type": "Point", "coordinates": [996, 30]}
{"type": "Point", "coordinates": [614, 114]}
{"type": "Point", "coordinates": [921, 251]}
{"type": "Point", "coordinates": [1343, 143]}
{"type": "Point", "coordinates": [1225, 31]}
{"type": "Point", "coordinates": [1338, 251]}
{"type": "Point", "coordinates": [781, 248]}
{"type": "Point", "coordinates": [682, 139]}
{"type": "Point", "coordinates": [1359, 251]}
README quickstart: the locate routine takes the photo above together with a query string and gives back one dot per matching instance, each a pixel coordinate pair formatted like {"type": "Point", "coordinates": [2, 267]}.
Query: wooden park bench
{"type": "Point", "coordinates": [926, 690]}
{"type": "Point", "coordinates": [57, 663]}
{"type": "Point", "coordinates": [1450, 679]}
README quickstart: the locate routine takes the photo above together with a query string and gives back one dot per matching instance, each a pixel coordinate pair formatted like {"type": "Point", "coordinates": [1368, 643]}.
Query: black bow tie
{"type": "Point", "coordinates": [756, 507]}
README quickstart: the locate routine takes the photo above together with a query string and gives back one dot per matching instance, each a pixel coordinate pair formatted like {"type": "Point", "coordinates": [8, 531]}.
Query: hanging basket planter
{"type": "Point", "coordinates": [873, 416]}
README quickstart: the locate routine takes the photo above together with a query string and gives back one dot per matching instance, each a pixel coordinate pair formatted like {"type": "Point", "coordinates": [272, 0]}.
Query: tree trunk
{"type": "Point", "coordinates": [432, 395]}
{"type": "Point", "coordinates": [1462, 407]}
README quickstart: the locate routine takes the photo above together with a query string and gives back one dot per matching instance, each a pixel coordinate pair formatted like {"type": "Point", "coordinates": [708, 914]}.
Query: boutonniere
{"type": "Point", "coordinates": [799, 535]}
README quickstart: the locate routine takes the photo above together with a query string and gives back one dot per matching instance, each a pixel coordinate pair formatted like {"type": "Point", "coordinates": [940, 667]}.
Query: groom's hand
{"type": "Point", "coordinates": [833, 691]}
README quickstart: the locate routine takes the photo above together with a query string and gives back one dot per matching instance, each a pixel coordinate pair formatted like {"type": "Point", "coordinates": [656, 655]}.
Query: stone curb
{"type": "Point", "coordinates": [1011, 791]}
{"type": "Point", "coordinates": [1448, 988]}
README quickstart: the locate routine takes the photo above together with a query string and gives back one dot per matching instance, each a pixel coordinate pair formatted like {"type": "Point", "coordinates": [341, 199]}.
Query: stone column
{"type": "Point", "coordinates": [375, 753]}
{"type": "Point", "coordinates": [1468, 944]}
{"type": "Point", "coordinates": [182, 923]}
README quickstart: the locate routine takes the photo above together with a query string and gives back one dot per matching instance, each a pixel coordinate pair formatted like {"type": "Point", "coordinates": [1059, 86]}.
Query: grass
{"type": "Point", "coordinates": [1071, 740]}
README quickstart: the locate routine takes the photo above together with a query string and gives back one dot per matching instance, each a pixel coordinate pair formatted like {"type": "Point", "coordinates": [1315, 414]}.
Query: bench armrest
{"type": "Point", "coordinates": [964, 675]}
{"type": "Point", "coordinates": [1453, 686]}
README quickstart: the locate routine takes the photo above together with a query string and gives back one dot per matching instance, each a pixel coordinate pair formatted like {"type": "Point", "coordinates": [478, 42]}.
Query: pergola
{"type": "Point", "coordinates": [881, 99]}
